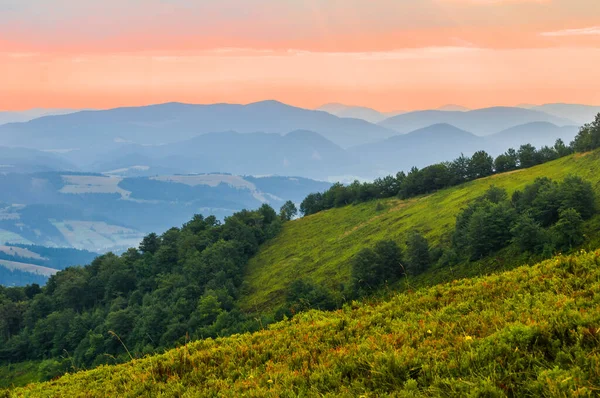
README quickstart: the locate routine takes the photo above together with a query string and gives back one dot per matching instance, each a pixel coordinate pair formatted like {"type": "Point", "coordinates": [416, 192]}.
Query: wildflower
{"type": "Point", "coordinates": [468, 338]}
{"type": "Point", "coordinates": [270, 381]}
{"type": "Point", "coordinates": [429, 331]}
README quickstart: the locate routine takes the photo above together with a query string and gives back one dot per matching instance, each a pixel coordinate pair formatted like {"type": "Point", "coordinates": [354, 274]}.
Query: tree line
{"type": "Point", "coordinates": [447, 174]}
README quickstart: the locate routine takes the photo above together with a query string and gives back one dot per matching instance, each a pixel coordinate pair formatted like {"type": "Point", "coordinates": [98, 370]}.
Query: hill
{"type": "Point", "coordinates": [319, 247]}
{"type": "Point", "coordinates": [531, 331]}
{"type": "Point", "coordinates": [22, 160]}
{"type": "Point", "coordinates": [25, 116]}
{"type": "Point", "coordinates": [440, 142]}
{"type": "Point", "coordinates": [172, 122]}
{"type": "Point", "coordinates": [419, 148]}
{"type": "Point", "coordinates": [479, 121]}
{"type": "Point", "coordinates": [537, 134]}
{"type": "Point", "coordinates": [301, 152]}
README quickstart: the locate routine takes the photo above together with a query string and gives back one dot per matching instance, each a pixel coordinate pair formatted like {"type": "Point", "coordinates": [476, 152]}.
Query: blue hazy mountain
{"type": "Point", "coordinates": [479, 122]}
{"type": "Point", "coordinates": [172, 122]}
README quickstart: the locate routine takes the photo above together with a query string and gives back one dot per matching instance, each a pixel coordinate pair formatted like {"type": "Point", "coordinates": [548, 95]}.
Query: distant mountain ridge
{"type": "Point", "coordinates": [480, 122]}
{"type": "Point", "coordinates": [171, 122]}
{"type": "Point", "coordinates": [358, 112]}
{"type": "Point", "coordinates": [30, 114]}
{"type": "Point", "coordinates": [444, 142]}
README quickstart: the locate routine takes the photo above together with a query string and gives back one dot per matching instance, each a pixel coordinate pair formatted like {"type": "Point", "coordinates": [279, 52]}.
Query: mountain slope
{"type": "Point", "coordinates": [164, 123]}
{"type": "Point", "coordinates": [537, 134]}
{"type": "Point", "coordinates": [22, 160]}
{"type": "Point", "coordinates": [527, 332]}
{"type": "Point", "coordinates": [25, 116]}
{"type": "Point", "coordinates": [319, 247]}
{"type": "Point", "coordinates": [303, 153]}
{"type": "Point", "coordinates": [480, 121]}
{"type": "Point", "coordinates": [419, 148]}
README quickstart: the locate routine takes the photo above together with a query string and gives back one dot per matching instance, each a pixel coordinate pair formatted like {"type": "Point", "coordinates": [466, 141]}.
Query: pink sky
{"type": "Point", "coordinates": [387, 54]}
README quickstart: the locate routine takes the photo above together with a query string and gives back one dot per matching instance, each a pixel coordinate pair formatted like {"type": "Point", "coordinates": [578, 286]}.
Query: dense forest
{"type": "Point", "coordinates": [443, 175]}
{"type": "Point", "coordinates": [178, 286]}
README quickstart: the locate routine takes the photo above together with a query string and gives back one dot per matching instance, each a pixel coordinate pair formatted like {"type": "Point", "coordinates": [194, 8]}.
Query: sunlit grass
{"type": "Point", "coordinates": [319, 247]}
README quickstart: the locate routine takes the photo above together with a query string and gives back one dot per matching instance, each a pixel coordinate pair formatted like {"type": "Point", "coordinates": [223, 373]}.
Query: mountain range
{"type": "Point", "coordinates": [266, 138]}
{"type": "Point", "coordinates": [442, 142]}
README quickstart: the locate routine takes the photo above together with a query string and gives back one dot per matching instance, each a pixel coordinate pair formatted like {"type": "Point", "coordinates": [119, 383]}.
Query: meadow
{"type": "Point", "coordinates": [319, 247]}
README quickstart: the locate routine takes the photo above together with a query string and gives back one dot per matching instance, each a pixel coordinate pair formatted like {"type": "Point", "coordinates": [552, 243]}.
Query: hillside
{"type": "Point", "coordinates": [532, 331]}
{"type": "Point", "coordinates": [319, 247]}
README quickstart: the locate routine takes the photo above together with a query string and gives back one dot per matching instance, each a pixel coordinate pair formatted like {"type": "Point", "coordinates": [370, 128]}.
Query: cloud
{"type": "Point", "coordinates": [590, 31]}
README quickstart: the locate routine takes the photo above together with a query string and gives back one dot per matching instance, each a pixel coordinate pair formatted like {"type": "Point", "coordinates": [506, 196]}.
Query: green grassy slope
{"type": "Point", "coordinates": [532, 331]}
{"type": "Point", "coordinates": [319, 247]}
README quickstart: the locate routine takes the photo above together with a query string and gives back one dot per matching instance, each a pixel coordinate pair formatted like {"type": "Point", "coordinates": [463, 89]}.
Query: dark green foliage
{"type": "Point", "coordinates": [528, 156]}
{"type": "Point", "coordinates": [508, 161]}
{"type": "Point", "coordinates": [529, 235]}
{"type": "Point", "coordinates": [481, 165]}
{"type": "Point", "coordinates": [372, 268]}
{"type": "Point", "coordinates": [545, 216]}
{"type": "Point", "coordinates": [182, 283]}
{"type": "Point", "coordinates": [303, 295]}
{"type": "Point", "coordinates": [288, 211]}
{"type": "Point", "coordinates": [568, 230]}
{"type": "Point", "coordinates": [588, 137]}
{"type": "Point", "coordinates": [489, 228]}
{"type": "Point", "coordinates": [418, 257]}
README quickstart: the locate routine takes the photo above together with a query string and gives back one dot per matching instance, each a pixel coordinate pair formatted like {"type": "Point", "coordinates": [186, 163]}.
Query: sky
{"type": "Point", "coordinates": [386, 54]}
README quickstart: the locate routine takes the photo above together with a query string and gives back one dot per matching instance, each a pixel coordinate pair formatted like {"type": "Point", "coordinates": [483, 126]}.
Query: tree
{"type": "Point", "coordinates": [481, 165]}
{"type": "Point", "coordinates": [371, 268]}
{"type": "Point", "coordinates": [417, 253]}
{"type": "Point", "coordinates": [569, 229]}
{"type": "Point", "coordinates": [489, 228]}
{"type": "Point", "coordinates": [529, 235]}
{"type": "Point", "coordinates": [150, 243]}
{"type": "Point", "coordinates": [561, 148]}
{"type": "Point", "coordinates": [528, 156]}
{"type": "Point", "coordinates": [508, 161]}
{"type": "Point", "coordinates": [313, 203]}
{"type": "Point", "coordinates": [288, 211]}
{"type": "Point", "coordinates": [579, 195]}
{"type": "Point", "coordinates": [588, 137]}
{"type": "Point", "coordinates": [389, 258]}
{"type": "Point", "coordinates": [365, 276]}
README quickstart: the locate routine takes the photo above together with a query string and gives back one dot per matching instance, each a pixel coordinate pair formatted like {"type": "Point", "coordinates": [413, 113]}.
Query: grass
{"type": "Point", "coordinates": [531, 331]}
{"type": "Point", "coordinates": [19, 374]}
{"type": "Point", "coordinates": [319, 247]}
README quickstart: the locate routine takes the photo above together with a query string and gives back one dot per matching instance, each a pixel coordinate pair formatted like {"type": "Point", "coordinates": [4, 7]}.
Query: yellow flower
{"type": "Point", "coordinates": [429, 332]}
{"type": "Point", "coordinates": [270, 381]}
{"type": "Point", "coordinates": [468, 338]}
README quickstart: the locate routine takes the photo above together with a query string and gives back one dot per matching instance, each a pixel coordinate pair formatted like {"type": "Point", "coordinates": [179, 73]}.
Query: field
{"type": "Point", "coordinates": [532, 331]}
{"type": "Point", "coordinates": [25, 267]}
{"type": "Point", "coordinates": [97, 235]}
{"type": "Point", "coordinates": [319, 247]}
{"type": "Point", "coordinates": [85, 184]}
